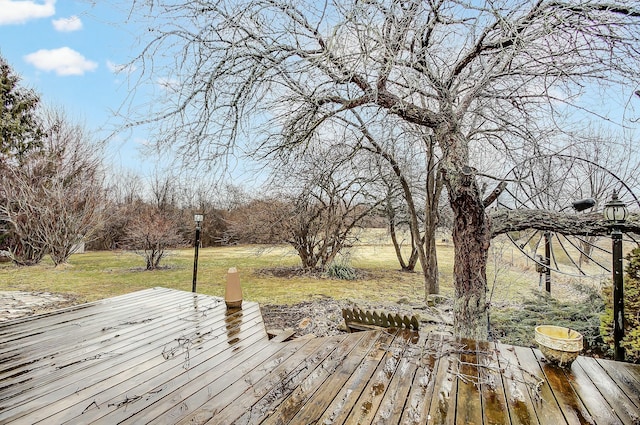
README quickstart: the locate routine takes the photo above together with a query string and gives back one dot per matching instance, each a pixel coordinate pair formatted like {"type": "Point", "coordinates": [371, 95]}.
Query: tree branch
{"type": "Point", "coordinates": [504, 221]}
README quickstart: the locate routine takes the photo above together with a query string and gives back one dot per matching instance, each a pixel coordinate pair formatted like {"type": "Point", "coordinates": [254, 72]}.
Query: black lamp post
{"type": "Point", "coordinates": [197, 217]}
{"type": "Point", "coordinates": [616, 213]}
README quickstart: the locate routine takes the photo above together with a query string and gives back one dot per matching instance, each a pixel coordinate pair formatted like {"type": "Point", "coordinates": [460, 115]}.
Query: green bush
{"type": "Point", "coordinates": [516, 326]}
{"type": "Point", "coordinates": [631, 341]}
{"type": "Point", "coordinates": [341, 271]}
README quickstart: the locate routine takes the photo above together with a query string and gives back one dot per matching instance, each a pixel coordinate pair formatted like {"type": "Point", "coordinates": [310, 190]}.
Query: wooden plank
{"type": "Point", "coordinates": [468, 398]}
{"type": "Point", "coordinates": [117, 329]}
{"type": "Point", "coordinates": [28, 350]}
{"type": "Point", "coordinates": [37, 372]}
{"type": "Point", "coordinates": [225, 385]}
{"type": "Point", "coordinates": [113, 373]}
{"type": "Point", "coordinates": [252, 394]}
{"type": "Point", "coordinates": [548, 408]}
{"type": "Point", "coordinates": [74, 332]}
{"type": "Point", "coordinates": [617, 403]}
{"type": "Point", "coordinates": [65, 369]}
{"type": "Point", "coordinates": [29, 323]}
{"type": "Point", "coordinates": [443, 406]}
{"type": "Point", "coordinates": [427, 356]}
{"type": "Point", "coordinates": [318, 403]}
{"type": "Point", "coordinates": [272, 400]}
{"type": "Point", "coordinates": [187, 392]}
{"type": "Point", "coordinates": [572, 407]}
{"type": "Point", "coordinates": [283, 336]}
{"type": "Point", "coordinates": [626, 377]}
{"type": "Point", "coordinates": [367, 406]}
{"type": "Point", "coordinates": [495, 409]}
{"type": "Point", "coordinates": [153, 380]}
{"type": "Point", "coordinates": [517, 381]}
{"type": "Point", "coordinates": [47, 325]}
{"type": "Point", "coordinates": [393, 402]}
{"type": "Point", "coordinates": [284, 412]}
{"type": "Point", "coordinates": [340, 407]}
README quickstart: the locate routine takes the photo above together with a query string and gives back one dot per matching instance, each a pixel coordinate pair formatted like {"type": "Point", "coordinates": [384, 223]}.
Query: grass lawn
{"type": "Point", "coordinates": [95, 275]}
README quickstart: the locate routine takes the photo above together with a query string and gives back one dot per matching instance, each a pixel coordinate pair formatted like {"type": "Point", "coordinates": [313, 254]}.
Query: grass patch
{"type": "Point", "coordinates": [96, 275]}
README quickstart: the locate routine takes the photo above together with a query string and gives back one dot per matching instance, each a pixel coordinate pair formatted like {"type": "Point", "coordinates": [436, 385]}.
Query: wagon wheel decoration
{"type": "Point", "coordinates": [563, 183]}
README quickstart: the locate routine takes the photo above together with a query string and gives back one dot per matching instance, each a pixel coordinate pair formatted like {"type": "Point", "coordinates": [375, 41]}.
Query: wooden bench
{"type": "Point", "coordinates": [364, 320]}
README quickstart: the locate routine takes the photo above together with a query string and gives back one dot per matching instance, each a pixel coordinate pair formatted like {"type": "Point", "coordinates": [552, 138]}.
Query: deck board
{"type": "Point", "coordinates": [468, 396]}
{"type": "Point", "coordinates": [159, 378]}
{"type": "Point", "coordinates": [116, 350]}
{"type": "Point", "coordinates": [545, 402]}
{"type": "Point", "coordinates": [311, 411]}
{"type": "Point", "coordinates": [621, 404]}
{"type": "Point", "coordinates": [395, 397]}
{"type": "Point", "coordinates": [443, 403]}
{"type": "Point", "coordinates": [517, 383]}
{"type": "Point", "coordinates": [593, 400]}
{"type": "Point", "coordinates": [572, 407]}
{"type": "Point", "coordinates": [418, 403]}
{"type": "Point", "coordinates": [495, 409]}
{"type": "Point", "coordinates": [173, 357]}
{"type": "Point", "coordinates": [341, 405]}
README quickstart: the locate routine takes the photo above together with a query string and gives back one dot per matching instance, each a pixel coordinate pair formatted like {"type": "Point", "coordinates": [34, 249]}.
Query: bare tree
{"type": "Point", "coordinates": [422, 222]}
{"type": "Point", "coordinates": [329, 195]}
{"type": "Point", "coordinates": [151, 232]}
{"type": "Point", "coordinates": [494, 75]}
{"type": "Point", "coordinates": [124, 190]}
{"type": "Point", "coordinates": [158, 224]}
{"type": "Point", "coordinates": [53, 199]}
{"type": "Point", "coordinates": [260, 221]}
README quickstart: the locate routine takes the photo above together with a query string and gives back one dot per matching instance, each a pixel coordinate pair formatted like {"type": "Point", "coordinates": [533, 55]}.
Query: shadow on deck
{"type": "Point", "coordinates": [167, 356]}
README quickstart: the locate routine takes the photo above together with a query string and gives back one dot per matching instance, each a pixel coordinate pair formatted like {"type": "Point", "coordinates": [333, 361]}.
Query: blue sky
{"type": "Point", "coordinates": [69, 52]}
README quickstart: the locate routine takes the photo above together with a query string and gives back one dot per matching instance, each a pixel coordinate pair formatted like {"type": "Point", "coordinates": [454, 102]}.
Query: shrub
{"type": "Point", "coordinates": [341, 271]}
{"type": "Point", "coordinates": [516, 325]}
{"type": "Point", "coordinates": [631, 340]}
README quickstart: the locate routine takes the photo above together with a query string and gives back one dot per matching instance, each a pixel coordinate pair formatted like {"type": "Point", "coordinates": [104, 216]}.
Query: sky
{"type": "Point", "coordinates": [70, 53]}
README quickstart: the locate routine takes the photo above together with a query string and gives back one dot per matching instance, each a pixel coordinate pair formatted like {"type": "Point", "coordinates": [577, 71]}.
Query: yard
{"type": "Point", "coordinates": [268, 277]}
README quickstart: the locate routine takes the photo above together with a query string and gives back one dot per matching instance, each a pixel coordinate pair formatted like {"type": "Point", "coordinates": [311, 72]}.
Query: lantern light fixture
{"type": "Point", "coordinates": [615, 211]}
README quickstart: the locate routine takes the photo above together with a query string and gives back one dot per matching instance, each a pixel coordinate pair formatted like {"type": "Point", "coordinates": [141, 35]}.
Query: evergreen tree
{"type": "Point", "coordinates": [631, 340]}
{"type": "Point", "coordinates": [20, 130]}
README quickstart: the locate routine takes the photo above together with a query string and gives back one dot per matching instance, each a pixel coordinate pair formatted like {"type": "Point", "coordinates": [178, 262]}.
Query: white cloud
{"type": "Point", "coordinates": [19, 12]}
{"type": "Point", "coordinates": [70, 24]}
{"type": "Point", "coordinates": [168, 84]}
{"type": "Point", "coordinates": [117, 68]}
{"type": "Point", "coordinates": [63, 61]}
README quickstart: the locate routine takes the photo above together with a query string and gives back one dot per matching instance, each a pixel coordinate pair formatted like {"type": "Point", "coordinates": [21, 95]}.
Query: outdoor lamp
{"type": "Point", "coordinates": [615, 212]}
{"type": "Point", "coordinates": [198, 218]}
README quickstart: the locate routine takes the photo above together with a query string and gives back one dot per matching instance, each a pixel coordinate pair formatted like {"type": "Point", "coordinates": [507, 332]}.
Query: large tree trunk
{"type": "Point", "coordinates": [471, 238]}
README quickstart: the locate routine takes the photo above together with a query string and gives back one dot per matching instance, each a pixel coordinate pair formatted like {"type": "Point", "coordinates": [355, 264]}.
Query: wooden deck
{"type": "Point", "coordinates": [166, 356]}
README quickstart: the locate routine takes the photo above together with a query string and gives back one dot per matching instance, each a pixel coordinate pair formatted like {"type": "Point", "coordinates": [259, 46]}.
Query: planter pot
{"type": "Point", "coordinates": [558, 344]}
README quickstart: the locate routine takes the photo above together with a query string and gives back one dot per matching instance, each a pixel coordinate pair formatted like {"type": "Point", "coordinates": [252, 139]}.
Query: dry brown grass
{"type": "Point", "coordinates": [96, 275]}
